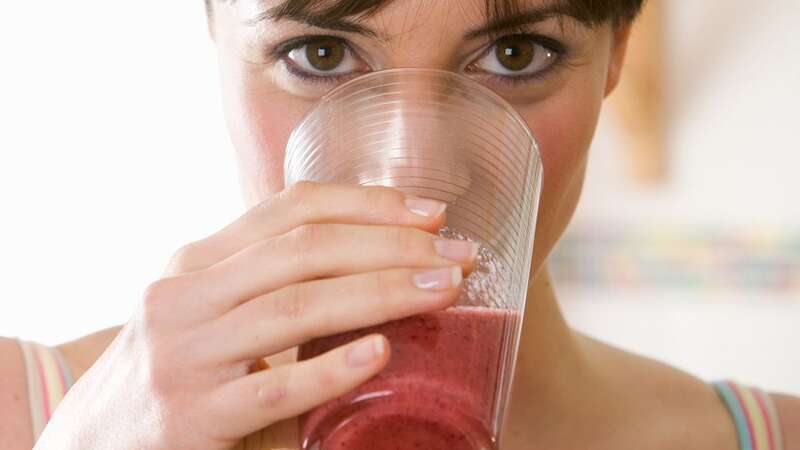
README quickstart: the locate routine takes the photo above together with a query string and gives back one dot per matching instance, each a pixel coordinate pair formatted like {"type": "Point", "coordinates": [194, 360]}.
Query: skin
{"type": "Point", "coordinates": [570, 391]}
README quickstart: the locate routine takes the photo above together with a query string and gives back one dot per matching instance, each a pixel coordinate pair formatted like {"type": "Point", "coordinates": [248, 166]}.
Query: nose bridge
{"type": "Point", "coordinates": [424, 91]}
{"type": "Point", "coordinates": [422, 50]}
{"type": "Point", "coordinates": [427, 102]}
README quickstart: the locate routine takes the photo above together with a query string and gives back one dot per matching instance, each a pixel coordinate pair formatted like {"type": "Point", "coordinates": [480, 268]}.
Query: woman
{"type": "Point", "coordinates": [183, 371]}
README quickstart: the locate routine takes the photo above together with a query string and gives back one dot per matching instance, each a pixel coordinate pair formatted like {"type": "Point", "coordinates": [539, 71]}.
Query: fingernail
{"type": "Point", "coordinates": [425, 207]}
{"type": "Point", "coordinates": [366, 352]}
{"type": "Point", "coordinates": [456, 250]}
{"type": "Point", "coordinates": [438, 279]}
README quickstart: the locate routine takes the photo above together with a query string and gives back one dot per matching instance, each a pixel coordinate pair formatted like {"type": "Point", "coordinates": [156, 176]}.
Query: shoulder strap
{"type": "Point", "coordinates": [48, 378]}
{"type": "Point", "coordinates": [754, 415]}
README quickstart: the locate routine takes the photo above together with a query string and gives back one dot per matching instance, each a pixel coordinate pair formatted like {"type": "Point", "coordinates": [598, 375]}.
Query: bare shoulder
{"type": "Point", "coordinates": [15, 418]}
{"type": "Point", "coordinates": [16, 429]}
{"type": "Point", "coordinates": [666, 407]}
{"type": "Point", "coordinates": [788, 408]}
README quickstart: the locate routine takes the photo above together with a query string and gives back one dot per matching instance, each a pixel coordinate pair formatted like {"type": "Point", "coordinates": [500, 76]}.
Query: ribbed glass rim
{"type": "Point", "coordinates": [434, 73]}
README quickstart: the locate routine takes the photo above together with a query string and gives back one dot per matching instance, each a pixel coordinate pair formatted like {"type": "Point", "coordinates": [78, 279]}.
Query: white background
{"type": "Point", "coordinates": [113, 153]}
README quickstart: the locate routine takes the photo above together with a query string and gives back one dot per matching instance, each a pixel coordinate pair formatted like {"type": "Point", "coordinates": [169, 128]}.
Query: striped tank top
{"type": "Point", "coordinates": [753, 413]}
{"type": "Point", "coordinates": [48, 378]}
{"type": "Point", "coordinates": [757, 423]}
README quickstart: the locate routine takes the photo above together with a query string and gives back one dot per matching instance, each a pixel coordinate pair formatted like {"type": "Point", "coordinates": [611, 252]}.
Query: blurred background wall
{"type": "Point", "coordinates": [114, 154]}
{"type": "Point", "coordinates": [697, 261]}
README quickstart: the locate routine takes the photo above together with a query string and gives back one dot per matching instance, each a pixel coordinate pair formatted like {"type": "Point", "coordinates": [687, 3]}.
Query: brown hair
{"type": "Point", "coordinates": [590, 12]}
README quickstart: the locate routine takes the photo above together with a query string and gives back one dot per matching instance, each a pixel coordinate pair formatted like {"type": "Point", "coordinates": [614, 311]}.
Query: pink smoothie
{"type": "Point", "coordinates": [437, 393]}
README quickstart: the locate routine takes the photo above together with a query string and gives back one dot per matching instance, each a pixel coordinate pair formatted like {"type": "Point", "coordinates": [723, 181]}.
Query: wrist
{"type": "Point", "coordinates": [83, 352]}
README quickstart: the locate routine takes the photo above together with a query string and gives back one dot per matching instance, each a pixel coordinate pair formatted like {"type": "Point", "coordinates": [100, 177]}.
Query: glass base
{"type": "Point", "coordinates": [398, 424]}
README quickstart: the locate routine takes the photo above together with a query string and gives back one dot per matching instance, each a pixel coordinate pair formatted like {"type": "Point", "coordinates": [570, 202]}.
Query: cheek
{"type": "Point", "coordinates": [564, 126]}
{"type": "Point", "coordinates": [260, 119]}
{"type": "Point", "coordinates": [564, 129]}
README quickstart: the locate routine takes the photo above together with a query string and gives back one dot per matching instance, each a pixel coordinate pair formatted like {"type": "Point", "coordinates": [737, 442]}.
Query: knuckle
{"type": "Point", "coordinates": [390, 292]}
{"type": "Point", "coordinates": [278, 390]}
{"type": "Point", "coordinates": [384, 283]}
{"type": "Point", "coordinates": [307, 237]}
{"type": "Point", "coordinates": [382, 195]}
{"type": "Point", "coordinates": [157, 292]}
{"type": "Point", "coordinates": [408, 241]}
{"type": "Point", "coordinates": [186, 258]}
{"type": "Point", "coordinates": [325, 376]}
{"type": "Point", "coordinates": [302, 190]}
{"type": "Point", "coordinates": [301, 197]}
{"type": "Point", "coordinates": [157, 298]}
{"type": "Point", "coordinates": [294, 304]}
{"type": "Point", "coordinates": [264, 248]}
{"type": "Point", "coordinates": [386, 202]}
{"type": "Point", "coordinates": [264, 211]}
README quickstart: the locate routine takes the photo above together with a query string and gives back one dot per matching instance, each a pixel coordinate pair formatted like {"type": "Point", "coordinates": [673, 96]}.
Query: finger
{"type": "Point", "coordinates": [304, 203]}
{"type": "Point", "coordinates": [303, 311]}
{"type": "Point", "coordinates": [325, 250]}
{"type": "Point", "coordinates": [260, 399]}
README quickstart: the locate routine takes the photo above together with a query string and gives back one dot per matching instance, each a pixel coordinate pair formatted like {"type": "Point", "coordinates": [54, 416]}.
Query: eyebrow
{"type": "Point", "coordinates": [516, 21]}
{"type": "Point", "coordinates": [493, 27]}
{"type": "Point", "coordinates": [313, 20]}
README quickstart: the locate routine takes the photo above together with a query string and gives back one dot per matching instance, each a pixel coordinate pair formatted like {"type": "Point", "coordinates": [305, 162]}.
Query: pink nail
{"type": "Point", "coordinates": [425, 207]}
{"type": "Point", "coordinates": [366, 352]}
{"type": "Point", "coordinates": [456, 250]}
{"type": "Point", "coordinates": [438, 279]}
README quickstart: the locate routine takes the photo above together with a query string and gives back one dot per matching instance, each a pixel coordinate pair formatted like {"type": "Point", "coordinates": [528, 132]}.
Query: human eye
{"type": "Point", "coordinates": [320, 59]}
{"type": "Point", "coordinates": [518, 57]}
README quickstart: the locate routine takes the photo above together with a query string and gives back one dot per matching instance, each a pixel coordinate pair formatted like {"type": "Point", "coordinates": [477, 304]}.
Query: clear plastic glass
{"type": "Point", "coordinates": [443, 136]}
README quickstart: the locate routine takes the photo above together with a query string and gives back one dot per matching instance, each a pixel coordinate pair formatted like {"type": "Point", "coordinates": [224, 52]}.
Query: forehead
{"type": "Point", "coordinates": [365, 8]}
{"type": "Point", "coordinates": [391, 16]}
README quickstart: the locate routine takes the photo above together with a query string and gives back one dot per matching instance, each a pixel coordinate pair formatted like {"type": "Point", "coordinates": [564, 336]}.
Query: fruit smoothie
{"type": "Point", "coordinates": [438, 392]}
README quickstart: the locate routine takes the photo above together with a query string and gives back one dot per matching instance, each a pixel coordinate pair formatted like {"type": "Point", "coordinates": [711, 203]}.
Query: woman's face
{"type": "Point", "coordinates": [553, 69]}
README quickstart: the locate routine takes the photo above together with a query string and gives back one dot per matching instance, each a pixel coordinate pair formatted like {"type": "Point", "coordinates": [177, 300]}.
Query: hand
{"type": "Point", "coordinates": [313, 260]}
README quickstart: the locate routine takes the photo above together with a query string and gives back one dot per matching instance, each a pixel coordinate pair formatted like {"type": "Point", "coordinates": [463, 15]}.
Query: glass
{"type": "Point", "coordinates": [442, 136]}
